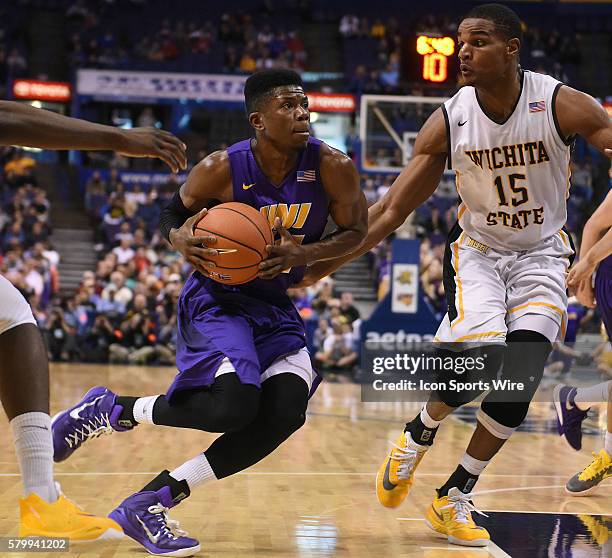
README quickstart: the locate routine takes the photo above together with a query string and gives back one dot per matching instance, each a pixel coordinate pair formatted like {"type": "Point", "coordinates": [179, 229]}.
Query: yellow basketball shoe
{"type": "Point", "coordinates": [63, 519]}
{"type": "Point", "coordinates": [451, 516]}
{"type": "Point", "coordinates": [588, 479]}
{"type": "Point", "coordinates": [396, 474]}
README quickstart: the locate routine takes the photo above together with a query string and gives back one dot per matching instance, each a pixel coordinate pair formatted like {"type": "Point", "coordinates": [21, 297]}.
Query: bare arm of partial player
{"type": "Point", "coordinates": [416, 183]}
{"type": "Point", "coordinates": [579, 113]}
{"type": "Point", "coordinates": [594, 249]}
{"type": "Point", "coordinates": [347, 207]}
{"type": "Point", "coordinates": [25, 125]}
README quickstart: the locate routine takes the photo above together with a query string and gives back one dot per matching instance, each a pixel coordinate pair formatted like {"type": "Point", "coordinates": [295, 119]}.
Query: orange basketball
{"type": "Point", "coordinates": [242, 234]}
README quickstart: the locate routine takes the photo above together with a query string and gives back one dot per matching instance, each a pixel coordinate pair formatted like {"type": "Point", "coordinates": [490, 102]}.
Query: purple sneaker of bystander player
{"type": "Point", "coordinates": [569, 416]}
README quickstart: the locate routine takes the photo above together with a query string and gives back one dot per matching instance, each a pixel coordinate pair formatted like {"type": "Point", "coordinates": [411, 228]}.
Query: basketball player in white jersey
{"type": "Point", "coordinates": [506, 134]}
{"type": "Point", "coordinates": [24, 370]}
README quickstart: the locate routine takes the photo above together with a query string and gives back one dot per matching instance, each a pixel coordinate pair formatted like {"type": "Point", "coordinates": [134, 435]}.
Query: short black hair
{"type": "Point", "coordinates": [506, 22]}
{"type": "Point", "coordinates": [260, 84]}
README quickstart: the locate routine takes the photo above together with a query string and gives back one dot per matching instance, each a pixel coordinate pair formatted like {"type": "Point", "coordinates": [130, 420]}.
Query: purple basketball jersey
{"type": "Point", "coordinates": [299, 200]}
{"type": "Point", "coordinates": [254, 324]}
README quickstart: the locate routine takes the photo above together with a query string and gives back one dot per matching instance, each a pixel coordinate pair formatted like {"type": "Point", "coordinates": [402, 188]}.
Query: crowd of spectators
{"type": "Point", "coordinates": [236, 42]}
{"type": "Point", "coordinates": [26, 257]}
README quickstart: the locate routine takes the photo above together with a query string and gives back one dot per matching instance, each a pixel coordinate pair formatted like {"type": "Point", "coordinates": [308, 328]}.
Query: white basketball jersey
{"type": "Point", "coordinates": [513, 178]}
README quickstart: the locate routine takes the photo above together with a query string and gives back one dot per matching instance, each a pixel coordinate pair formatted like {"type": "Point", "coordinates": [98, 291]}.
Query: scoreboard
{"type": "Point", "coordinates": [430, 59]}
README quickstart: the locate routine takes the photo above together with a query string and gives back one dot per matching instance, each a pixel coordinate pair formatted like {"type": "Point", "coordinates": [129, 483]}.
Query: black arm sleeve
{"type": "Point", "coordinates": [173, 215]}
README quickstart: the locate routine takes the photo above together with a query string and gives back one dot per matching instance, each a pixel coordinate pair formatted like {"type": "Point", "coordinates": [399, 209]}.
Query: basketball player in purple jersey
{"type": "Point", "coordinates": [241, 353]}
{"type": "Point", "coordinates": [571, 403]}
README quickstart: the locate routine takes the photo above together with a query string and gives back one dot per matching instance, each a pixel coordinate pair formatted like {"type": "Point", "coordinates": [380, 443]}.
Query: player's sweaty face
{"type": "Point", "coordinates": [287, 116]}
{"type": "Point", "coordinates": [482, 51]}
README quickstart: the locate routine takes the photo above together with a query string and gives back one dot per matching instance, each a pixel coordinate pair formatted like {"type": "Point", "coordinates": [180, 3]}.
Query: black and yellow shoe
{"type": "Point", "coordinates": [589, 478]}
{"type": "Point", "coordinates": [396, 474]}
{"type": "Point", "coordinates": [451, 516]}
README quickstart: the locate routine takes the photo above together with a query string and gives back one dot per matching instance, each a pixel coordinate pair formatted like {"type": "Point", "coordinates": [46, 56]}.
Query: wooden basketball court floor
{"type": "Point", "coordinates": [314, 497]}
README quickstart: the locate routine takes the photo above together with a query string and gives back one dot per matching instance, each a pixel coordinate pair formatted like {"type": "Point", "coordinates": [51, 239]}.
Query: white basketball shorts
{"type": "Point", "coordinates": [14, 310]}
{"type": "Point", "coordinates": [492, 292]}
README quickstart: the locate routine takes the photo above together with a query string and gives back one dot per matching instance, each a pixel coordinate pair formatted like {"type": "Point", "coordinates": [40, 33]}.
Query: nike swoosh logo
{"type": "Point", "coordinates": [247, 186]}
{"type": "Point", "coordinates": [387, 484]}
{"type": "Point", "coordinates": [225, 250]}
{"type": "Point", "coordinates": [461, 123]}
{"type": "Point", "coordinates": [568, 406]}
{"type": "Point", "coordinates": [153, 538]}
{"type": "Point", "coordinates": [75, 412]}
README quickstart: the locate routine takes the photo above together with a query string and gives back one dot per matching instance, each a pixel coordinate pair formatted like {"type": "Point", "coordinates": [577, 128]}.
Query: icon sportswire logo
{"type": "Point", "coordinates": [247, 186]}
{"type": "Point", "coordinates": [75, 413]}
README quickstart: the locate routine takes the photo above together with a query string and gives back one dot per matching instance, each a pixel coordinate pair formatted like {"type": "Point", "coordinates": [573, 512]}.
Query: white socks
{"type": "Point", "coordinates": [608, 443]}
{"type": "Point", "coordinates": [143, 409]}
{"type": "Point", "coordinates": [427, 420]}
{"type": "Point", "coordinates": [196, 471]}
{"type": "Point", "coordinates": [34, 449]}
{"type": "Point", "coordinates": [473, 466]}
{"type": "Point", "coordinates": [587, 396]}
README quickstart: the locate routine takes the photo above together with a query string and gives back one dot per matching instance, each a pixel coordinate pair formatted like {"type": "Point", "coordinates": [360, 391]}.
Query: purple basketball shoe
{"type": "Point", "coordinates": [93, 416]}
{"type": "Point", "coordinates": [569, 416]}
{"type": "Point", "coordinates": [144, 517]}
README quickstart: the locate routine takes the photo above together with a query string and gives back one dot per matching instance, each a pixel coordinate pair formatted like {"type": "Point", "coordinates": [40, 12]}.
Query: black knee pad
{"type": "Point", "coordinates": [525, 356]}
{"type": "Point", "coordinates": [502, 418]}
{"type": "Point", "coordinates": [492, 356]}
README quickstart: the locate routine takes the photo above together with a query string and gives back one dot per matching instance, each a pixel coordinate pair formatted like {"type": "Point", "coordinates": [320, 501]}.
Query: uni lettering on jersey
{"type": "Point", "coordinates": [508, 156]}
{"type": "Point", "coordinates": [292, 216]}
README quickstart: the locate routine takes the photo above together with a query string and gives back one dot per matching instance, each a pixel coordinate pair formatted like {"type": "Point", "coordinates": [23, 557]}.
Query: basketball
{"type": "Point", "coordinates": [242, 234]}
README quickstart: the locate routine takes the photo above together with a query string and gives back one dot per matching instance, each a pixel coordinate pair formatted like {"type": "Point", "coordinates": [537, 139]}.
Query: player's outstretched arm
{"type": "Point", "coordinates": [416, 183]}
{"type": "Point", "coordinates": [593, 249]}
{"type": "Point", "coordinates": [347, 207]}
{"type": "Point", "coordinates": [28, 126]}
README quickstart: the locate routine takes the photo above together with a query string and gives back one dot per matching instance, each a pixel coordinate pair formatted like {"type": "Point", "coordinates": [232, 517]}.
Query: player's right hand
{"type": "Point", "coordinates": [159, 144]}
{"type": "Point", "coordinates": [195, 249]}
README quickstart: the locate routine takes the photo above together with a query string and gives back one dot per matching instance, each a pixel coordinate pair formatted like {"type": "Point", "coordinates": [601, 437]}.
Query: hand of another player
{"type": "Point", "coordinates": [581, 271]}
{"type": "Point", "coordinates": [151, 142]}
{"type": "Point", "coordinates": [285, 254]}
{"type": "Point", "coordinates": [584, 293]}
{"type": "Point", "coordinates": [195, 249]}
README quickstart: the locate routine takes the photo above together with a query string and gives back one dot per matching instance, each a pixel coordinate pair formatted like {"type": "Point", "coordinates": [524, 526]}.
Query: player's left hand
{"type": "Point", "coordinates": [159, 144]}
{"type": "Point", "coordinates": [285, 254]}
{"type": "Point", "coordinates": [581, 271]}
